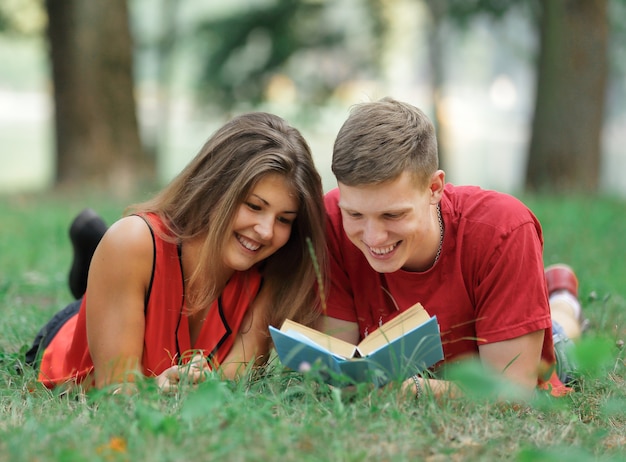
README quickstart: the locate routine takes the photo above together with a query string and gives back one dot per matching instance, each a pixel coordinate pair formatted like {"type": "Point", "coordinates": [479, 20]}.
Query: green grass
{"type": "Point", "coordinates": [284, 416]}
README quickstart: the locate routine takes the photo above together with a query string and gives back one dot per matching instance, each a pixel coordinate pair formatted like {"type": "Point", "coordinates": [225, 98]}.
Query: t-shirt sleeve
{"type": "Point", "coordinates": [340, 299]}
{"type": "Point", "coordinates": [510, 293]}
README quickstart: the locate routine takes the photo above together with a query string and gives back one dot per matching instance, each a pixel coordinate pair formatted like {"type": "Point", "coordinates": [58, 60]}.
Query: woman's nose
{"type": "Point", "coordinates": [265, 228]}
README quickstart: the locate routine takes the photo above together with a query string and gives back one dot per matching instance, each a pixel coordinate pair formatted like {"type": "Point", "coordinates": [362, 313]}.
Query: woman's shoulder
{"type": "Point", "coordinates": [130, 236]}
{"type": "Point", "coordinates": [122, 262]}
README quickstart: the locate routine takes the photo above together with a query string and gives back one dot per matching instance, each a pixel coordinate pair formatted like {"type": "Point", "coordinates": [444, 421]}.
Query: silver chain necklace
{"type": "Point", "coordinates": [440, 234]}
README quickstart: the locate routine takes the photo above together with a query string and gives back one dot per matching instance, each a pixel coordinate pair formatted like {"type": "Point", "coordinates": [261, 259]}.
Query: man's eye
{"type": "Point", "coordinates": [393, 216]}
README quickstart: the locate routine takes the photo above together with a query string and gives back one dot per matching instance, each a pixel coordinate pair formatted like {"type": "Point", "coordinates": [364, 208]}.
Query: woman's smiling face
{"type": "Point", "coordinates": [262, 223]}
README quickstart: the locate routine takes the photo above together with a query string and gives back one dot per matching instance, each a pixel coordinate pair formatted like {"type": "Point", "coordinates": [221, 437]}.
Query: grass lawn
{"type": "Point", "coordinates": [282, 415]}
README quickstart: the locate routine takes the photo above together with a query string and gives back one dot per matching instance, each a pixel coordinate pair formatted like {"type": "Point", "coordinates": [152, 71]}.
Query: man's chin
{"type": "Point", "coordinates": [383, 266]}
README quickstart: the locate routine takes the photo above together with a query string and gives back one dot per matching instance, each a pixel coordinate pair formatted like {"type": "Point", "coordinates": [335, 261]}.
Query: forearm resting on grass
{"type": "Point", "coordinates": [349, 332]}
{"type": "Point", "coordinates": [192, 373]}
{"type": "Point", "coordinates": [430, 387]}
{"type": "Point", "coordinates": [517, 360]}
{"type": "Point", "coordinates": [198, 369]}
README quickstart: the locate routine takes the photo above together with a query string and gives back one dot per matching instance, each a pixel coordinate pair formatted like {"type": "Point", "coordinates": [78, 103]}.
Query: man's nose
{"type": "Point", "coordinates": [374, 233]}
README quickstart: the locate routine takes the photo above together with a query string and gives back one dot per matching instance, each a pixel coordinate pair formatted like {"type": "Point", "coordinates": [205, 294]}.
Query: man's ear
{"type": "Point", "coordinates": [437, 182]}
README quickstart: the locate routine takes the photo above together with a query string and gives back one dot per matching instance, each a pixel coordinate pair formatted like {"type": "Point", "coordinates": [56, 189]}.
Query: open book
{"type": "Point", "coordinates": [403, 346]}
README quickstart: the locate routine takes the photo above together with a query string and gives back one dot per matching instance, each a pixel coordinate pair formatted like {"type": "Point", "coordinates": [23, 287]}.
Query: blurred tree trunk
{"type": "Point", "coordinates": [97, 134]}
{"type": "Point", "coordinates": [436, 57]}
{"type": "Point", "coordinates": [572, 74]}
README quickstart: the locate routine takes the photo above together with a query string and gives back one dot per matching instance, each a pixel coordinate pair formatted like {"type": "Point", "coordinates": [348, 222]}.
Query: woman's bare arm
{"type": "Point", "coordinates": [119, 276]}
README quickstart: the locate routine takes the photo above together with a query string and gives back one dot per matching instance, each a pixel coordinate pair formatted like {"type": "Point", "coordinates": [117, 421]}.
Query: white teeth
{"type": "Point", "coordinates": [247, 244]}
{"type": "Point", "coordinates": [383, 250]}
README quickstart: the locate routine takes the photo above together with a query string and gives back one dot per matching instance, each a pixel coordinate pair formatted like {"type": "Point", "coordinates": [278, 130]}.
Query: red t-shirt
{"type": "Point", "coordinates": [487, 286]}
{"type": "Point", "coordinates": [166, 339]}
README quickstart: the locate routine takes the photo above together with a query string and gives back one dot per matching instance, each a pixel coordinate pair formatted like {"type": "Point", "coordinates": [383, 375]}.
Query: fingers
{"type": "Point", "coordinates": [167, 380]}
{"type": "Point", "coordinates": [198, 368]}
{"type": "Point", "coordinates": [194, 372]}
{"type": "Point", "coordinates": [199, 362]}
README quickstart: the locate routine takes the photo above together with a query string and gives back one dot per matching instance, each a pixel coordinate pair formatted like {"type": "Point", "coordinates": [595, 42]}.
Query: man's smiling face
{"type": "Point", "coordinates": [394, 223]}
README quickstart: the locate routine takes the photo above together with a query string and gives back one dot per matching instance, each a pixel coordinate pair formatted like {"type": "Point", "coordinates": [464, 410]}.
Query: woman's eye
{"type": "Point", "coordinates": [252, 206]}
{"type": "Point", "coordinates": [285, 221]}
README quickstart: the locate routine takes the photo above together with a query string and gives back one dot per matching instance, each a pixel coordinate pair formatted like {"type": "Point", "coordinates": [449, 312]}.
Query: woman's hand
{"type": "Point", "coordinates": [192, 373]}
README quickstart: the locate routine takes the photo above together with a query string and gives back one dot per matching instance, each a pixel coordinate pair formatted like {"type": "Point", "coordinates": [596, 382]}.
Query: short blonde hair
{"type": "Point", "coordinates": [382, 139]}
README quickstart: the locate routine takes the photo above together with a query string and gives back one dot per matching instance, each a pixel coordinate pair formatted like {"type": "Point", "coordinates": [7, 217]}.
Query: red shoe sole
{"type": "Point", "coordinates": [561, 277]}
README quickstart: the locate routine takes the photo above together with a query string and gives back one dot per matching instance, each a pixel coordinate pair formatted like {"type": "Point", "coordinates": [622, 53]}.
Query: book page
{"type": "Point", "coordinates": [334, 345]}
{"type": "Point", "coordinates": [395, 328]}
{"type": "Point", "coordinates": [304, 340]}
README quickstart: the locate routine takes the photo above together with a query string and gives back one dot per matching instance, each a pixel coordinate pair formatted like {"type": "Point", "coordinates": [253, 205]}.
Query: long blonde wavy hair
{"type": "Point", "coordinates": [203, 200]}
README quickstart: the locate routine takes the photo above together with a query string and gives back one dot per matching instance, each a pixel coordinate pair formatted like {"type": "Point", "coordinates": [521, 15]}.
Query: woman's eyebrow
{"type": "Point", "coordinates": [295, 212]}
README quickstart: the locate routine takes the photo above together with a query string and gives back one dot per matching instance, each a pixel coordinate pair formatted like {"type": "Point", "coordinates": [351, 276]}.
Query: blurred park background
{"type": "Point", "coordinates": [527, 95]}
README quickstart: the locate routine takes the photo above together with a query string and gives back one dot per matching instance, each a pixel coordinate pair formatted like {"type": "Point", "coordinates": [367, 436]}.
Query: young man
{"type": "Point", "coordinates": [398, 235]}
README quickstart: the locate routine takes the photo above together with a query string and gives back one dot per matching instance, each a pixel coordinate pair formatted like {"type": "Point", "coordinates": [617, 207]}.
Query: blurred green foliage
{"type": "Point", "coordinates": [243, 50]}
{"type": "Point", "coordinates": [22, 17]}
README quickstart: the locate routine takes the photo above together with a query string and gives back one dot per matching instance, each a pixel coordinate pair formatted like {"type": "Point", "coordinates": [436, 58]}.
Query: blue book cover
{"type": "Point", "coordinates": [412, 350]}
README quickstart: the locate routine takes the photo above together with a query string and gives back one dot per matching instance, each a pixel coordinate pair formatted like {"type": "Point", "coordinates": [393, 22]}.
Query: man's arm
{"type": "Point", "coordinates": [518, 359]}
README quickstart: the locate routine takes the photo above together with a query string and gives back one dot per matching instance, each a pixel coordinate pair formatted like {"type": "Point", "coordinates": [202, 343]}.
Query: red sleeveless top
{"type": "Point", "coordinates": [166, 339]}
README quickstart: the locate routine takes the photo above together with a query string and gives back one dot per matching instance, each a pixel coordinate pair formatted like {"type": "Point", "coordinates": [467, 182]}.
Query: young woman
{"type": "Point", "coordinates": [201, 269]}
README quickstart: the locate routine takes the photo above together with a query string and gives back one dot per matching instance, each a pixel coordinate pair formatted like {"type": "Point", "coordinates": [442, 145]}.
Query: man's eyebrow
{"type": "Point", "coordinates": [295, 212]}
{"type": "Point", "coordinates": [400, 209]}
